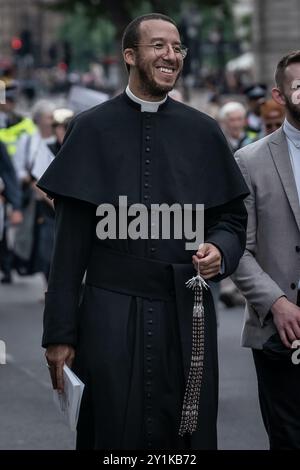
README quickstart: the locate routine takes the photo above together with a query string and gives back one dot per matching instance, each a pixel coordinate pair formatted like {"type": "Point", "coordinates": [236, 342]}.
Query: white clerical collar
{"type": "Point", "coordinates": [146, 106]}
{"type": "Point", "coordinates": [292, 133]}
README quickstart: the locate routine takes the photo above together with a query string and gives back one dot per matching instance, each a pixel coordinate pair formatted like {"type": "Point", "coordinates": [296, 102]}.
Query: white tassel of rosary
{"type": "Point", "coordinates": [189, 416]}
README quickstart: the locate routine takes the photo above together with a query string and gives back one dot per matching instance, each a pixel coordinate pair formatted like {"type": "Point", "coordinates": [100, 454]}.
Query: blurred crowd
{"type": "Point", "coordinates": [30, 141]}
{"type": "Point", "coordinates": [28, 144]}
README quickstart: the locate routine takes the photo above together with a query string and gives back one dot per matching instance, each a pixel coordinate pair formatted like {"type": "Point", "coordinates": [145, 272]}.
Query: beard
{"type": "Point", "coordinates": [294, 109]}
{"type": "Point", "coordinates": [149, 85]}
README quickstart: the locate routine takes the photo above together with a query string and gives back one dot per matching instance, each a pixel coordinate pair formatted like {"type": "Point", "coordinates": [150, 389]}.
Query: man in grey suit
{"type": "Point", "coordinates": [269, 271]}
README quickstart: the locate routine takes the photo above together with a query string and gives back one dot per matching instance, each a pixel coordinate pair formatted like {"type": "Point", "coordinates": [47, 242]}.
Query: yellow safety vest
{"type": "Point", "coordinates": [10, 135]}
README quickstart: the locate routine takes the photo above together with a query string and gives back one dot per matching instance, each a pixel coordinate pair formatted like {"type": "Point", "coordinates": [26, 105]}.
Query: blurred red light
{"type": "Point", "coordinates": [62, 66]}
{"type": "Point", "coordinates": [16, 43]}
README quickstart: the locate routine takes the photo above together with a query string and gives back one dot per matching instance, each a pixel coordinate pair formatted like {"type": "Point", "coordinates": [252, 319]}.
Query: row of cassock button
{"type": "Point", "coordinates": [149, 345]}
{"type": "Point", "coordinates": [149, 319]}
{"type": "Point", "coordinates": [147, 173]}
{"type": "Point", "coordinates": [148, 376]}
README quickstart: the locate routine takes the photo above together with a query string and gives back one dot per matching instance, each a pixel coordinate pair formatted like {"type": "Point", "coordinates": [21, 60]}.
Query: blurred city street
{"type": "Point", "coordinates": [29, 419]}
{"type": "Point", "coordinates": [107, 94]}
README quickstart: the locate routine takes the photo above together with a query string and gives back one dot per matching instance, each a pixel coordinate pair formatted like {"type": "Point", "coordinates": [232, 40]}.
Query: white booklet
{"type": "Point", "coordinates": [69, 401]}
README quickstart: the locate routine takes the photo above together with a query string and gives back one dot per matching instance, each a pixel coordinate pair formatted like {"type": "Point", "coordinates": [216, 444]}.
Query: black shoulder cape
{"type": "Point", "coordinates": [177, 154]}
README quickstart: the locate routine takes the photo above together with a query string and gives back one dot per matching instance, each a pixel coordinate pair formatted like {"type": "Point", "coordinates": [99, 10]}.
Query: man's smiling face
{"type": "Point", "coordinates": [157, 66]}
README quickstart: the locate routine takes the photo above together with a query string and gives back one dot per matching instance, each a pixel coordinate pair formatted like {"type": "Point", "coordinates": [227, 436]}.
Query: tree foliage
{"type": "Point", "coordinates": [87, 21]}
{"type": "Point", "coordinates": [121, 12]}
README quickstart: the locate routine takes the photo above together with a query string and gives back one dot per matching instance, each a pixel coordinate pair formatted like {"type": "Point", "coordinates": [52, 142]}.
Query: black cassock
{"type": "Point", "coordinates": [132, 327]}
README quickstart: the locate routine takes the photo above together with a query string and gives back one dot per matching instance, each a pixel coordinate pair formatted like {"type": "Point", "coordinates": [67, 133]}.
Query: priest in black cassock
{"type": "Point", "coordinates": [129, 335]}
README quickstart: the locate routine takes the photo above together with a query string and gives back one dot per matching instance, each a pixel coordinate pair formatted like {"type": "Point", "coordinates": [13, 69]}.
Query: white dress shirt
{"type": "Point", "coordinates": [293, 139]}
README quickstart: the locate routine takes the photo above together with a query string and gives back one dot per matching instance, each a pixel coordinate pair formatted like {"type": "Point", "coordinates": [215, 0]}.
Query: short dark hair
{"type": "Point", "coordinates": [131, 34]}
{"type": "Point", "coordinates": [290, 58]}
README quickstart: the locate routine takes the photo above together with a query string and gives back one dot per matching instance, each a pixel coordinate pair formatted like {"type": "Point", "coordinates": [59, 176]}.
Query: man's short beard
{"type": "Point", "coordinates": [150, 87]}
{"type": "Point", "coordinates": [293, 109]}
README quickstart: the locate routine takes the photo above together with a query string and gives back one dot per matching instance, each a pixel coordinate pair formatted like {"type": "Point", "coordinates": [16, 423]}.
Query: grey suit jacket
{"type": "Point", "coordinates": [270, 266]}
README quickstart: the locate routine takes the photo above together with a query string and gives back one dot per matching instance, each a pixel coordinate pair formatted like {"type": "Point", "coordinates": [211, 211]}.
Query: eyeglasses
{"type": "Point", "coordinates": [162, 49]}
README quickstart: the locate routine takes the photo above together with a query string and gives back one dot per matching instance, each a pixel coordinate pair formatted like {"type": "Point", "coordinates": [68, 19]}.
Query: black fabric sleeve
{"type": "Point", "coordinates": [226, 228]}
{"type": "Point", "coordinates": [74, 234]}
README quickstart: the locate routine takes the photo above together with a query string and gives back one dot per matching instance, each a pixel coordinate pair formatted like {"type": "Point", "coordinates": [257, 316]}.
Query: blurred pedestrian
{"type": "Point", "coordinates": [61, 121]}
{"type": "Point", "coordinates": [132, 335]}
{"type": "Point", "coordinates": [268, 273]}
{"type": "Point", "coordinates": [10, 210]}
{"type": "Point", "coordinates": [32, 152]}
{"type": "Point", "coordinates": [232, 118]}
{"type": "Point", "coordinates": [13, 124]}
{"type": "Point", "coordinates": [34, 238]}
{"type": "Point", "coordinates": [12, 127]}
{"type": "Point", "coordinates": [256, 95]}
{"type": "Point", "coordinates": [272, 115]}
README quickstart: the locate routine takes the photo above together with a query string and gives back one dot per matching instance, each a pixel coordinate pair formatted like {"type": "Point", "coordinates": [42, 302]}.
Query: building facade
{"type": "Point", "coordinates": [276, 31]}
{"type": "Point", "coordinates": [18, 17]}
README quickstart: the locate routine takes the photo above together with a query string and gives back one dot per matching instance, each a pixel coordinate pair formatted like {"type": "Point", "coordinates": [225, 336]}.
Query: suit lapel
{"type": "Point", "coordinates": [280, 154]}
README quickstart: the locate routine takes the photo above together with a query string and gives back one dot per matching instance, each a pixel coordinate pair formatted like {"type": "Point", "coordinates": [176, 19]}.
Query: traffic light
{"type": "Point", "coordinates": [16, 44]}
{"type": "Point", "coordinates": [22, 45]}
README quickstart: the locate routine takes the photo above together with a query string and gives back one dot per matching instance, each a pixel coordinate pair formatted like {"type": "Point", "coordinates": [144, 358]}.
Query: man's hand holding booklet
{"type": "Point", "coordinates": [68, 401]}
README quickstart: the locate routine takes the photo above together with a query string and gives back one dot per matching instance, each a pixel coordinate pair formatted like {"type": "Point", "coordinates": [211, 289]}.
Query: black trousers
{"type": "Point", "coordinates": [279, 397]}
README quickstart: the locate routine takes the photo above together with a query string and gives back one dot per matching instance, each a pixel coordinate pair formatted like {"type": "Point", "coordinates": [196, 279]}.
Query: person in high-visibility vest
{"type": "Point", "coordinates": [12, 124]}
{"type": "Point", "coordinates": [12, 127]}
